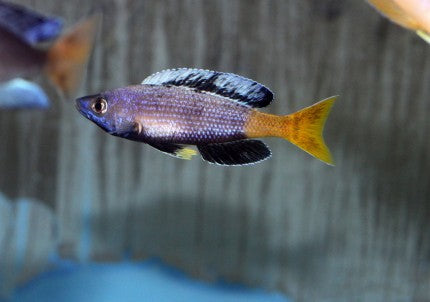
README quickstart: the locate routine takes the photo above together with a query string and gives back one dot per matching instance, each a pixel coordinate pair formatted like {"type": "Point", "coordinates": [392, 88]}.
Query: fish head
{"type": "Point", "coordinates": [102, 110]}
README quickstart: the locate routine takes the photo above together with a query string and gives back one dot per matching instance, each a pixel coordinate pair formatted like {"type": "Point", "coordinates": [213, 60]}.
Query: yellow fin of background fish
{"type": "Point", "coordinates": [394, 12]}
{"type": "Point", "coordinates": [69, 54]}
{"type": "Point", "coordinates": [424, 35]}
{"type": "Point", "coordinates": [304, 129]}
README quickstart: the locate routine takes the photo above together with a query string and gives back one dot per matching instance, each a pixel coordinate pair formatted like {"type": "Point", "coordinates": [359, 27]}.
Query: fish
{"type": "Point", "coordinates": [31, 26]}
{"type": "Point", "coordinates": [21, 94]}
{"type": "Point", "coordinates": [63, 62]}
{"type": "Point", "coordinates": [178, 110]}
{"type": "Point", "coordinates": [411, 14]}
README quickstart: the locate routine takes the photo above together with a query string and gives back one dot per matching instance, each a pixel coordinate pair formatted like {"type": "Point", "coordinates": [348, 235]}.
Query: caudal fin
{"type": "Point", "coordinates": [69, 54]}
{"type": "Point", "coordinates": [304, 129]}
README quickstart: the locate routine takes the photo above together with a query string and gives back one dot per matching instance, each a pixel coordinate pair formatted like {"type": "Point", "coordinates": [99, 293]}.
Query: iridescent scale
{"type": "Point", "coordinates": [184, 116]}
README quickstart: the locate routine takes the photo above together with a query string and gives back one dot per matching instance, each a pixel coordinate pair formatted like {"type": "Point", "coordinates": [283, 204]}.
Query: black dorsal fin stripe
{"type": "Point", "coordinates": [235, 153]}
{"type": "Point", "coordinates": [223, 84]}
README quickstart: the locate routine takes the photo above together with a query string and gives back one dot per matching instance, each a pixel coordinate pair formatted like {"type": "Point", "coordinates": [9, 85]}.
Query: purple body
{"type": "Point", "coordinates": [169, 114]}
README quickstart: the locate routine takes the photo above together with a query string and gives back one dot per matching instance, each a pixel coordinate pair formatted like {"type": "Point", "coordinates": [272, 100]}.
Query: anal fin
{"type": "Point", "coordinates": [179, 151]}
{"type": "Point", "coordinates": [235, 153]}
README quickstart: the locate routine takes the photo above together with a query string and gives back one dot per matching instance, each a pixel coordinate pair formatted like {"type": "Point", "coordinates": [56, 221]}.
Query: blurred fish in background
{"type": "Point", "coordinates": [21, 94]}
{"type": "Point", "coordinates": [21, 31]}
{"type": "Point", "coordinates": [30, 26]}
{"type": "Point", "coordinates": [411, 14]}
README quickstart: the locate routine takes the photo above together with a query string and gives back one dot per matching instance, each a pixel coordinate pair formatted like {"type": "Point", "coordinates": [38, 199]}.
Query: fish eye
{"type": "Point", "coordinates": [99, 106]}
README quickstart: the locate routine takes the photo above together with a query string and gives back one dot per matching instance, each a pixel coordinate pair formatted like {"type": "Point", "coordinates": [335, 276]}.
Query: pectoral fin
{"type": "Point", "coordinates": [130, 130]}
{"type": "Point", "coordinates": [179, 151]}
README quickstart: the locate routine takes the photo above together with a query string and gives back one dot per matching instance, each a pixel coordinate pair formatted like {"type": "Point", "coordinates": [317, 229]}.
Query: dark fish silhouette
{"type": "Point", "coordinates": [214, 111]}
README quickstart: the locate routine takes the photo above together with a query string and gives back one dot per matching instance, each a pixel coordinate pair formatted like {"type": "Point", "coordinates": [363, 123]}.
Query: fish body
{"type": "Point", "coordinates": [19, 93]}
{"type": "Point", "coordinates": [63, 62]}
{"type": "Point", "coordinates": [214, 111]}
{"type": "Point", "coordinates": [17, 58]}
{"type": "Point", "coordinates": [28, 25]}
{"type": "Point", "coordinates": [175, 114]}
{"type": "Point", "coordinates": [411, 14]}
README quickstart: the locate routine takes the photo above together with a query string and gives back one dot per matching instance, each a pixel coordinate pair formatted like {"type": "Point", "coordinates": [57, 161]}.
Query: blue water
{"type": "Point", "coordinates": [129, 281]}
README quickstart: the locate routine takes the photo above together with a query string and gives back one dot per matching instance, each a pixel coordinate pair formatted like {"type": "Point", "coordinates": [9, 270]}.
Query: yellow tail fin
{"type": "Point", "coordinates": [304, 129]}
{"type": "Point", "coordinates": [69, 54]}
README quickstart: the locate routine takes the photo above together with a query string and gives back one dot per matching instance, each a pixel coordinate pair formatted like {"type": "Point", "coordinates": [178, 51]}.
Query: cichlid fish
{"type": "Point", "coordinates": [214, 111]}
{"type": "Point", "coordinates": [63, 62]}
{"type": "Point", "coordinates": [29, 25]}
{"type": "Point", "coordinates": [19, 93]}
{"type": "Point", "coordinates": [411, 14]}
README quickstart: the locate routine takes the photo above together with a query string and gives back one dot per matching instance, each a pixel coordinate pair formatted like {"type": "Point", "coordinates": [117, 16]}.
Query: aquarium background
{"type": "Point", "coordinates": [358, 231]}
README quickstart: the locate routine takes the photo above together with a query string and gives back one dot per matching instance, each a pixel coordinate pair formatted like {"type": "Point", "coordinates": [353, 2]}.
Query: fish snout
{"type": "Point", "coordinates": [83, 104]}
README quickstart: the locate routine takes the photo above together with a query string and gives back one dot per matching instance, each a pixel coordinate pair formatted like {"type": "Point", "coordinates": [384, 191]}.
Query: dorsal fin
{"type": "Point", "coordinates": [224, 84]}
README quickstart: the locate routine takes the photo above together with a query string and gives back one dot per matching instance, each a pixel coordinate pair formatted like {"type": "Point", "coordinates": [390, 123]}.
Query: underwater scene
{"type": "Point", "coordinates": [225, 150]}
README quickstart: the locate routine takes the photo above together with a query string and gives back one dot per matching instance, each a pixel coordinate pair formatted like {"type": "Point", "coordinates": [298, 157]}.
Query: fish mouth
{"type": "Point", "coordinates": [83, 105]}
{"type": "Point", "coordinates": [81, 110]}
